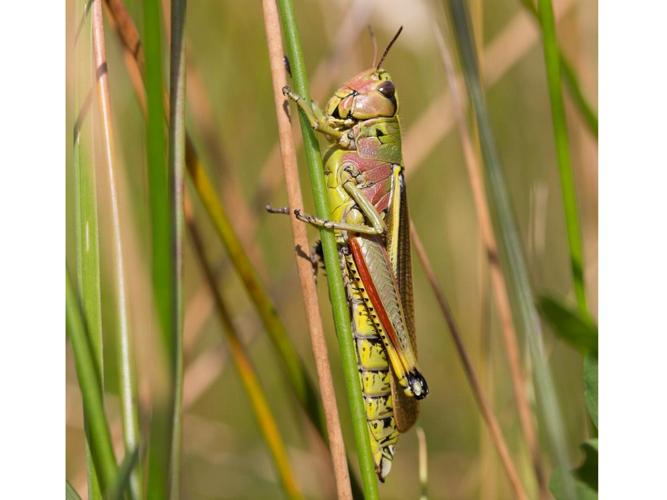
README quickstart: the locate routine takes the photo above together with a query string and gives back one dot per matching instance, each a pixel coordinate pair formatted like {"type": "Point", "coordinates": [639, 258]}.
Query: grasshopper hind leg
{"type": "Point", "coordinates": [384, 466]}
{"type": "Point", "coordinates": [417, 384]}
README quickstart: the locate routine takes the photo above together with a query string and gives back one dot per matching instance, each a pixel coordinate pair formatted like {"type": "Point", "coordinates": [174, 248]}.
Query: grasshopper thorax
{"type": "Point", "coordinates": [370, 94]}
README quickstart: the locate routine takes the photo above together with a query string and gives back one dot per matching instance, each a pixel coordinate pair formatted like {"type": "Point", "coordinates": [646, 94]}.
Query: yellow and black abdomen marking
{"type": "Point", "coordinates": [374, 374]}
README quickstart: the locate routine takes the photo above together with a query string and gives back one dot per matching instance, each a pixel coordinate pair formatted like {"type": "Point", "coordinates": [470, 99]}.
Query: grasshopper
{"type": "Point", "coordinates": [369, 215]}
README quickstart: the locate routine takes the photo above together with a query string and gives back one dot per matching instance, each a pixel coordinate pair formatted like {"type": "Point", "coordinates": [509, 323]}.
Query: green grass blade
{"type": "Point", "coordinates": [577, 330]}
{"type": "Point", "coordinates": [552, 59]}
{"type": "Point", "coordinates": [337, 294]}
{"type": "Point", "coordinates": [507, 235]}
{"type": "Point", "coordinates": [247, 373]}
{"type": "Point", "coordinates": [99, 437]}
{"type": "Point", "coordinates": [122, 484]}
{"type": "Point", "coordinates": [86, 222]}
{"type": "Point", "coordinates": [587, 472]}
{"type": "Point", "coordinates": [70, 492]}
{"type": "Point", "coordinates": [585, 476]}
{"type": "Point", "coordinates": [162, 265]}
{"type": "Point", "coordinates": [158, 175]}
{"type": "Point", "coordinates": [591, 386]}
{"type": "Point", "coordinates": [571, 80]}
{"type": "Point", "coordinates": [86, 232]}
{"type": "Point", "coordinates": [176, 172]}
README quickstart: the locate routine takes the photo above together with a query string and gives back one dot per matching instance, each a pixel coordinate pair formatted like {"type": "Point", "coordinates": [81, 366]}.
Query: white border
{"type": "Point", "coordinates": [633, 250]}
{"type": "Point", "coordinates": [32, 214]}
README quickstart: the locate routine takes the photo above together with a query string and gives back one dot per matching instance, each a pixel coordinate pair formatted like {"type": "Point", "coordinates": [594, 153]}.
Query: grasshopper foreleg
{"type": "Point", "coordinates": [319, 121]}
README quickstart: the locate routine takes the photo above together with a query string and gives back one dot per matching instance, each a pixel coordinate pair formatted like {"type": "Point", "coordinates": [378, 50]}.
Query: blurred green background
{"type": "Point", "coordinates": [230, 107]}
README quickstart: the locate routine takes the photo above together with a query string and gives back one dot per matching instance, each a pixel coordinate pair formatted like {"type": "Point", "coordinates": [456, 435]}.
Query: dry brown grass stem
{"type": "Point", "coordinates": [511, 344]}
{"type": "Point", "coordinates": [304, 268]}
{"type": "Point", "coordinates": [484, 407]}
{"type": "Point", "coordinates": [133, 52]}
{"type": "Point", "coordinates": [125, 24]}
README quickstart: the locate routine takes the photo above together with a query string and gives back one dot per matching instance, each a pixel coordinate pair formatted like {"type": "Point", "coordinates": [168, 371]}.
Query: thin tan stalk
{"type": "Point", "coordinates": [423, 464]}
{"type": "Point", "coordinates": [484, 407]}
{"type": "Point", "coordinates": [487, 463]}
{"type": "Point", "coordinates": [512, 351]}
{"type": "Point", "coordinates": [304, 268]}
{"type": "Point", "coordinates": [126, 369]}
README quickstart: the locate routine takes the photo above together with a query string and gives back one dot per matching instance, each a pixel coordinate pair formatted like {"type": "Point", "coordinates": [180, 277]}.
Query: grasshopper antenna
{"type": "Point", "coordinates": [386, 51]}
{"type": "Point", "coordinates": [374, 41]}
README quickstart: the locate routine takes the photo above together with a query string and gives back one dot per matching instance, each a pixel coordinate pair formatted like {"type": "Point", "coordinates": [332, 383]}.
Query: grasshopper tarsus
{"type": "Point", "coordinates": [310, 219]}
{"type": "Point", "coordinates": [288, 66]}
{"type": "Point", "coordinates": [315, 257]}
{"type": "Point", "coordinates": [276, 210]}
{"type": "Point", "coordinates": [316, 251]}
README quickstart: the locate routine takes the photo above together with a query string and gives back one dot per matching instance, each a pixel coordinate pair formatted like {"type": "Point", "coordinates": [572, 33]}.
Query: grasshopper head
{"type": "Point", "coordinates": [370, 94]}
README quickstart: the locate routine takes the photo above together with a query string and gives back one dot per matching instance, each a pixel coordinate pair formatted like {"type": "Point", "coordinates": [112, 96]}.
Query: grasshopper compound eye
{"type": "Point", "coordinates": [387, 89]}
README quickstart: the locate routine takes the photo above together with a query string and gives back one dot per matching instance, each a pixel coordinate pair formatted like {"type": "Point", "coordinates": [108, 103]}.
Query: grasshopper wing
{"type": "Point", "coordinates": [406, 409]}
